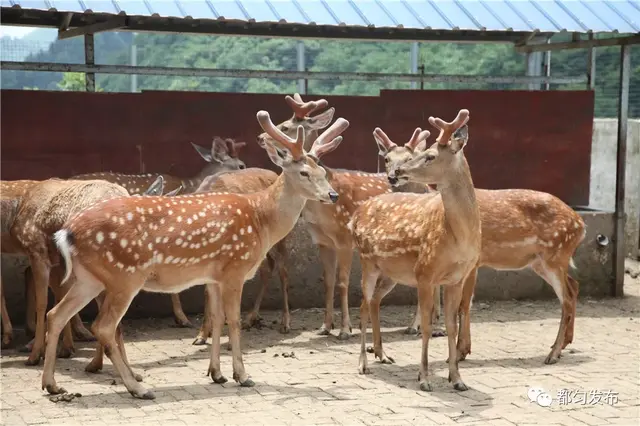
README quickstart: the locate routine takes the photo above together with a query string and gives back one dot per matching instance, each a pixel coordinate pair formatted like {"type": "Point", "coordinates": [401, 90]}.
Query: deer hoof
{"type": "Point", "coordinates": [411, 331]}
{"type": "Point", "coordinates": [344, 335]}
{"type": "Point", "coordinates": [147, 395]}
{"type": "Point", "coordinates": [65, 352]}
{"type": "Point", "coordinates": [55, 390]}
{"type": "Point", "coordinates": [185, 323]}
{"type": "Point", "coordinates": [364, 370]}
{"type": "Point", "coordinates": [220, 380]}
{"type": "Point", "coordinates": [324, 331]}
{"type": "Point", "coordinates": [248, 383]}
{"type": "Point", "coordinates": [285, 329]}
{"type": "Point", "coordinates": [551, 359]}
{"type": "Point", "coordinates": [460, 386]}
{"type": "Point", "coordinates": [438, 333]}
{"type": "Point", "coordinates": [387, 360]}
{"type": "Point", "coordinates": [199, 341]}
{"type": "Point", "coordinates": [93, 368]}
{"type": "Point", "coordinates": [426, 387]}
{"type": "Point", "coordinates": [32, 362]}
{"type": "Point", "coordinates": [6, 342]}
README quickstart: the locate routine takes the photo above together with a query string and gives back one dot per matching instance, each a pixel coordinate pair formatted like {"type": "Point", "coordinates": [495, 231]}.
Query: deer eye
{"type": "Point", "coordinates": [429, 158]}
{"type": "Point", "coordinates": [285, 129]}
{"type": "Point", "coordinates": [386, 160]}
{"type": "Point", "coordinates": [305, 174]}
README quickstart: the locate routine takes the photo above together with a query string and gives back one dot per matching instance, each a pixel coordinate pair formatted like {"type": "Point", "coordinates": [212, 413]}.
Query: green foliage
{"type": "Point", "coordinates": [222, 52]}
{"type": "Point", "coordinates": [75, 82]}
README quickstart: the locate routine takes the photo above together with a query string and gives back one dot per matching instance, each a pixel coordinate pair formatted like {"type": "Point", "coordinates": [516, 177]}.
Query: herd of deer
{"type": "Point", "coordinates": [107, 236]}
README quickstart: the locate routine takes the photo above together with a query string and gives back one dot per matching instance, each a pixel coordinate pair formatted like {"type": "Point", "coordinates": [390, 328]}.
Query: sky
{"type": "Point", "coordinates": [13, 31]}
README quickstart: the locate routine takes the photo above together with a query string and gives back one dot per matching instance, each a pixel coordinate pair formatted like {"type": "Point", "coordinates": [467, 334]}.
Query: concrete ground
{"type": "Point", "coordinates": [320, 384]}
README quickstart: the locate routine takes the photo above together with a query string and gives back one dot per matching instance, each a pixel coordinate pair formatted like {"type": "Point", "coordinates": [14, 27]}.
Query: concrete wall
{"type": "Point", "coordinates": [603, 175]}
{"type": "Point", "coordinates": [594, 267]}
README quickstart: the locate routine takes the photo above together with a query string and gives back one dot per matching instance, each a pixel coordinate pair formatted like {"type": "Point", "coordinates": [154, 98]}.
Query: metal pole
{"type": "Point", "coordinates": [89, 77]}
{"type": "Point", "coordinates": [591, 66]}
{"type": "Point", "coordinates": [547, 64]}
{"type": "Point", "coordinates": [301, 67]}
{"type": "Point", "coordinates": [623, 112]}
{"type": "Point", "coordinates": [414, 54]}
{"type": "Point", "coordinates": [421, 73]}
{"type": "Point", "coordinates": [134, 62]}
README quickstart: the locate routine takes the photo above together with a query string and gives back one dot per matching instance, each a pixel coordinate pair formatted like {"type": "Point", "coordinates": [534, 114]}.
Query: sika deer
{"type": "Point", "coordinates": [327, 224]}
{"type": "Point", "coordinates": [521, 229]}
{"type": "Point", "coordinates": [215, 239]}
{"type": "Point", "coordinates": [248, 181]}
{"type": "Point", "coordinates": [423, 240]}
{"type": "Point", "coordinates": [223, 156]}
{"type": "Point", "coordinates": [42, 210]}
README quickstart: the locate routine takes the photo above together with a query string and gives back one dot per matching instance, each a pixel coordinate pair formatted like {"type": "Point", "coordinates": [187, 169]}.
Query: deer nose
{"type": "Point", "coordinates": [242, 166]}
{"type": "Point", "coordinates": [333, 196]}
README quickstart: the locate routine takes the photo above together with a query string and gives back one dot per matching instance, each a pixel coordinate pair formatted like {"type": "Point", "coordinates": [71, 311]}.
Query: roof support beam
{"type": "Point", "coordinates": [112, 24]}
{"type": "Point", "coordinates": [584, 44]}
{"type": "Point", "coordinates": [619, 249]}
{"type": "Point", "coordinates": [284, 75]}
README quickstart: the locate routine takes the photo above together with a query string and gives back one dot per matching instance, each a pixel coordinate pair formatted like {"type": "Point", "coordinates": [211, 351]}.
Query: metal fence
{"type": "Point", "coordinates": [336, 67]}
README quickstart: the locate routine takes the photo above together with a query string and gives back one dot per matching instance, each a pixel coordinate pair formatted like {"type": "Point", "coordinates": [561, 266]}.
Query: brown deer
{"type": "Point", "coordinates": [41, 211]}
{"type": "Point", "coordinates": [327, 224]}
{"type": "Point", "coordinates": [248, 181]}
{"type": "Point", "coordinates": [168, 245]}
{"type": "Point", "coordinates": [521, 229]}
{"type": "Point", "coordinates": [423, 240]}
{"type": "Point", "coordinates": [223, 156]}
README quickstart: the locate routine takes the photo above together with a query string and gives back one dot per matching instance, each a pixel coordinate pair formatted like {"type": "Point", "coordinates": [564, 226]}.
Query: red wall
{"type": "Point", "coordinates": [518, 139]}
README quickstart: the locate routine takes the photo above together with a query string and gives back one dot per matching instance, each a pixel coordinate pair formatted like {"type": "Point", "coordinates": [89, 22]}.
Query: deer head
{"type": "Point", "coordinates": [222, 156]}
{"type": "Point", "coordinates": [432, 165]}
{"type": "Point", "coordinates": [301, 112]}
{"type": "Point", "coordinates": [395, 155]}
{"type": "Point", "coordinates": [301, 168]}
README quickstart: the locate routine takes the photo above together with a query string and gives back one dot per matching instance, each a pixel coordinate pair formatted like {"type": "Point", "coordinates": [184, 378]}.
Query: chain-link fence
{"type": "Point", "coordinates": [219, 52]}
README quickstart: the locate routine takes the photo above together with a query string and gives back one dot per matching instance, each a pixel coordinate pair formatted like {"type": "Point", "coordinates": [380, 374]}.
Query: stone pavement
{"type": "Point", "coordinates": [321, 384]}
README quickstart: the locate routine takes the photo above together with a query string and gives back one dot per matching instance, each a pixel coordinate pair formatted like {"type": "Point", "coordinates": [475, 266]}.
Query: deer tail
{"type": "Point", "coordinates": [64, 241]}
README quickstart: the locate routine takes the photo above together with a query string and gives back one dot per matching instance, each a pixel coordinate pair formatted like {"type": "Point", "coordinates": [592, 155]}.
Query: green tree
{"type": "Point", "coordinates": [75, 82]}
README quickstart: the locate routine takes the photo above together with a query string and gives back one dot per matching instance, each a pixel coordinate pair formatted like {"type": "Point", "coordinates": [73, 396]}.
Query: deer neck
{"type": "Point", "coordinates": [281, 206]}
{"type": "Point", "coordinates": [461, 213]}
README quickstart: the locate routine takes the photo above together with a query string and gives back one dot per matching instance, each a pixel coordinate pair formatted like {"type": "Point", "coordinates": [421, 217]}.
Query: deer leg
{"type": "Point", "coordinates": [30, 296]}
{"type": "Point", "coordinates": [178, 314]}
{"type": "Point", "coordinates": [281, 263]}
{"type": "Point", "coordinates": [205, 328]}
{"type": "Point", "coordinates": [573, 290]}
{"type": "Point", "coordinates": [464, 336]}
{"type": "Point", "coordinates": [369, 278]}
{"type": "Point", "coordinates": [120, 340]}
{"type": "Point", "coordinates": [437, 330]}
{"type": "Point", "coordinates": [557, 278]}
{"type": "Point", "coordinates": [95, 366]}
{"type": "Point", "coordinates": [78, 296]}
{"type": "Point", "coordinates": [344, 271]}
{"type": "Point", "coordinates": [266, 268]}
{"type": "Point", "coordinates": [329, 263]}
{"type": "Point", "coordinates": [425, 297]}
{"type": "Point", "coordinates": [452, 298]}
{"type": "Point", "coordinates": [41, 277]}
{"type": "Point", "coordinates": [385, 286]}
{"type": "Point", "coordinates": [216, 316]}
{"type": "Point", "coordinates": [231, 298]}
{"type": "Point", "coordinates": [105, 329]}
{"type": "Point", "coordinates": [79, 331]}
{"type": "Point", "coordinates": [7, 328]}
{"type": "Point", "coordinates": [59, 292]}
{"type": "Point", "coordinates": [415, 324]}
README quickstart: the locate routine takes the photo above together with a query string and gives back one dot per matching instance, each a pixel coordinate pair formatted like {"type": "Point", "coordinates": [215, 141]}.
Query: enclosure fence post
{"type": "Point", "coordinates": [89, 77]}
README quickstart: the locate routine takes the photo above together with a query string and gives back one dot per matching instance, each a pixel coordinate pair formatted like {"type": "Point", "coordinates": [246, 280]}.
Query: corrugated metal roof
{"type": "Point", "coordinates": [546, 16]}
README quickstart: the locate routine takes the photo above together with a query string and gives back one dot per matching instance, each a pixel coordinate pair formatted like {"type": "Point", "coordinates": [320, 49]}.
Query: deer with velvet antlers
{"type": "Point", "coordinates": [521, 229]}
{"type": "Point", "coordinates": [424, 241]}
{"type": "Point", "coordinates": [223, 156]}
{"type": "Point", "coordinates": [327, 224]}
{"type": "Point", "coordinates": [168, 245]}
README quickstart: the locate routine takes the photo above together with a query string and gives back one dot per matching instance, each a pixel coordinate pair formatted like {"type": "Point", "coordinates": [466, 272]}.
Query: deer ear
{"type": "Point", "coordinates": [204, 152]}
{"type": "Point", "coordinates": [459, 139]}
{"type": "Point", "coordinates": [219, 150]}
{"type": "Point", "coordinates": [383, 148]}
{"type": "Point", "coordinates": [156, 188]}
{"type": "Point", "coordinates": [277, 156]}
{"type": "Point", "coordinates": [421, 146]}
{"type": "Point", "coordinates": [174, 192]}
{"type": "Point", "coordinates": [321, 121]}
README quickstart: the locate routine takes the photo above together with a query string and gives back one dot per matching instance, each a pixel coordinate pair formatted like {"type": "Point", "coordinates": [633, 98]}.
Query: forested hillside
{"type": "Point", "coordinates": [326, 55]}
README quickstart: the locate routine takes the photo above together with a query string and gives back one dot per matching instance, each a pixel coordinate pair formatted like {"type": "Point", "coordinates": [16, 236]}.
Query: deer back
{"type": "Point", "coordinates": [241, 181]}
